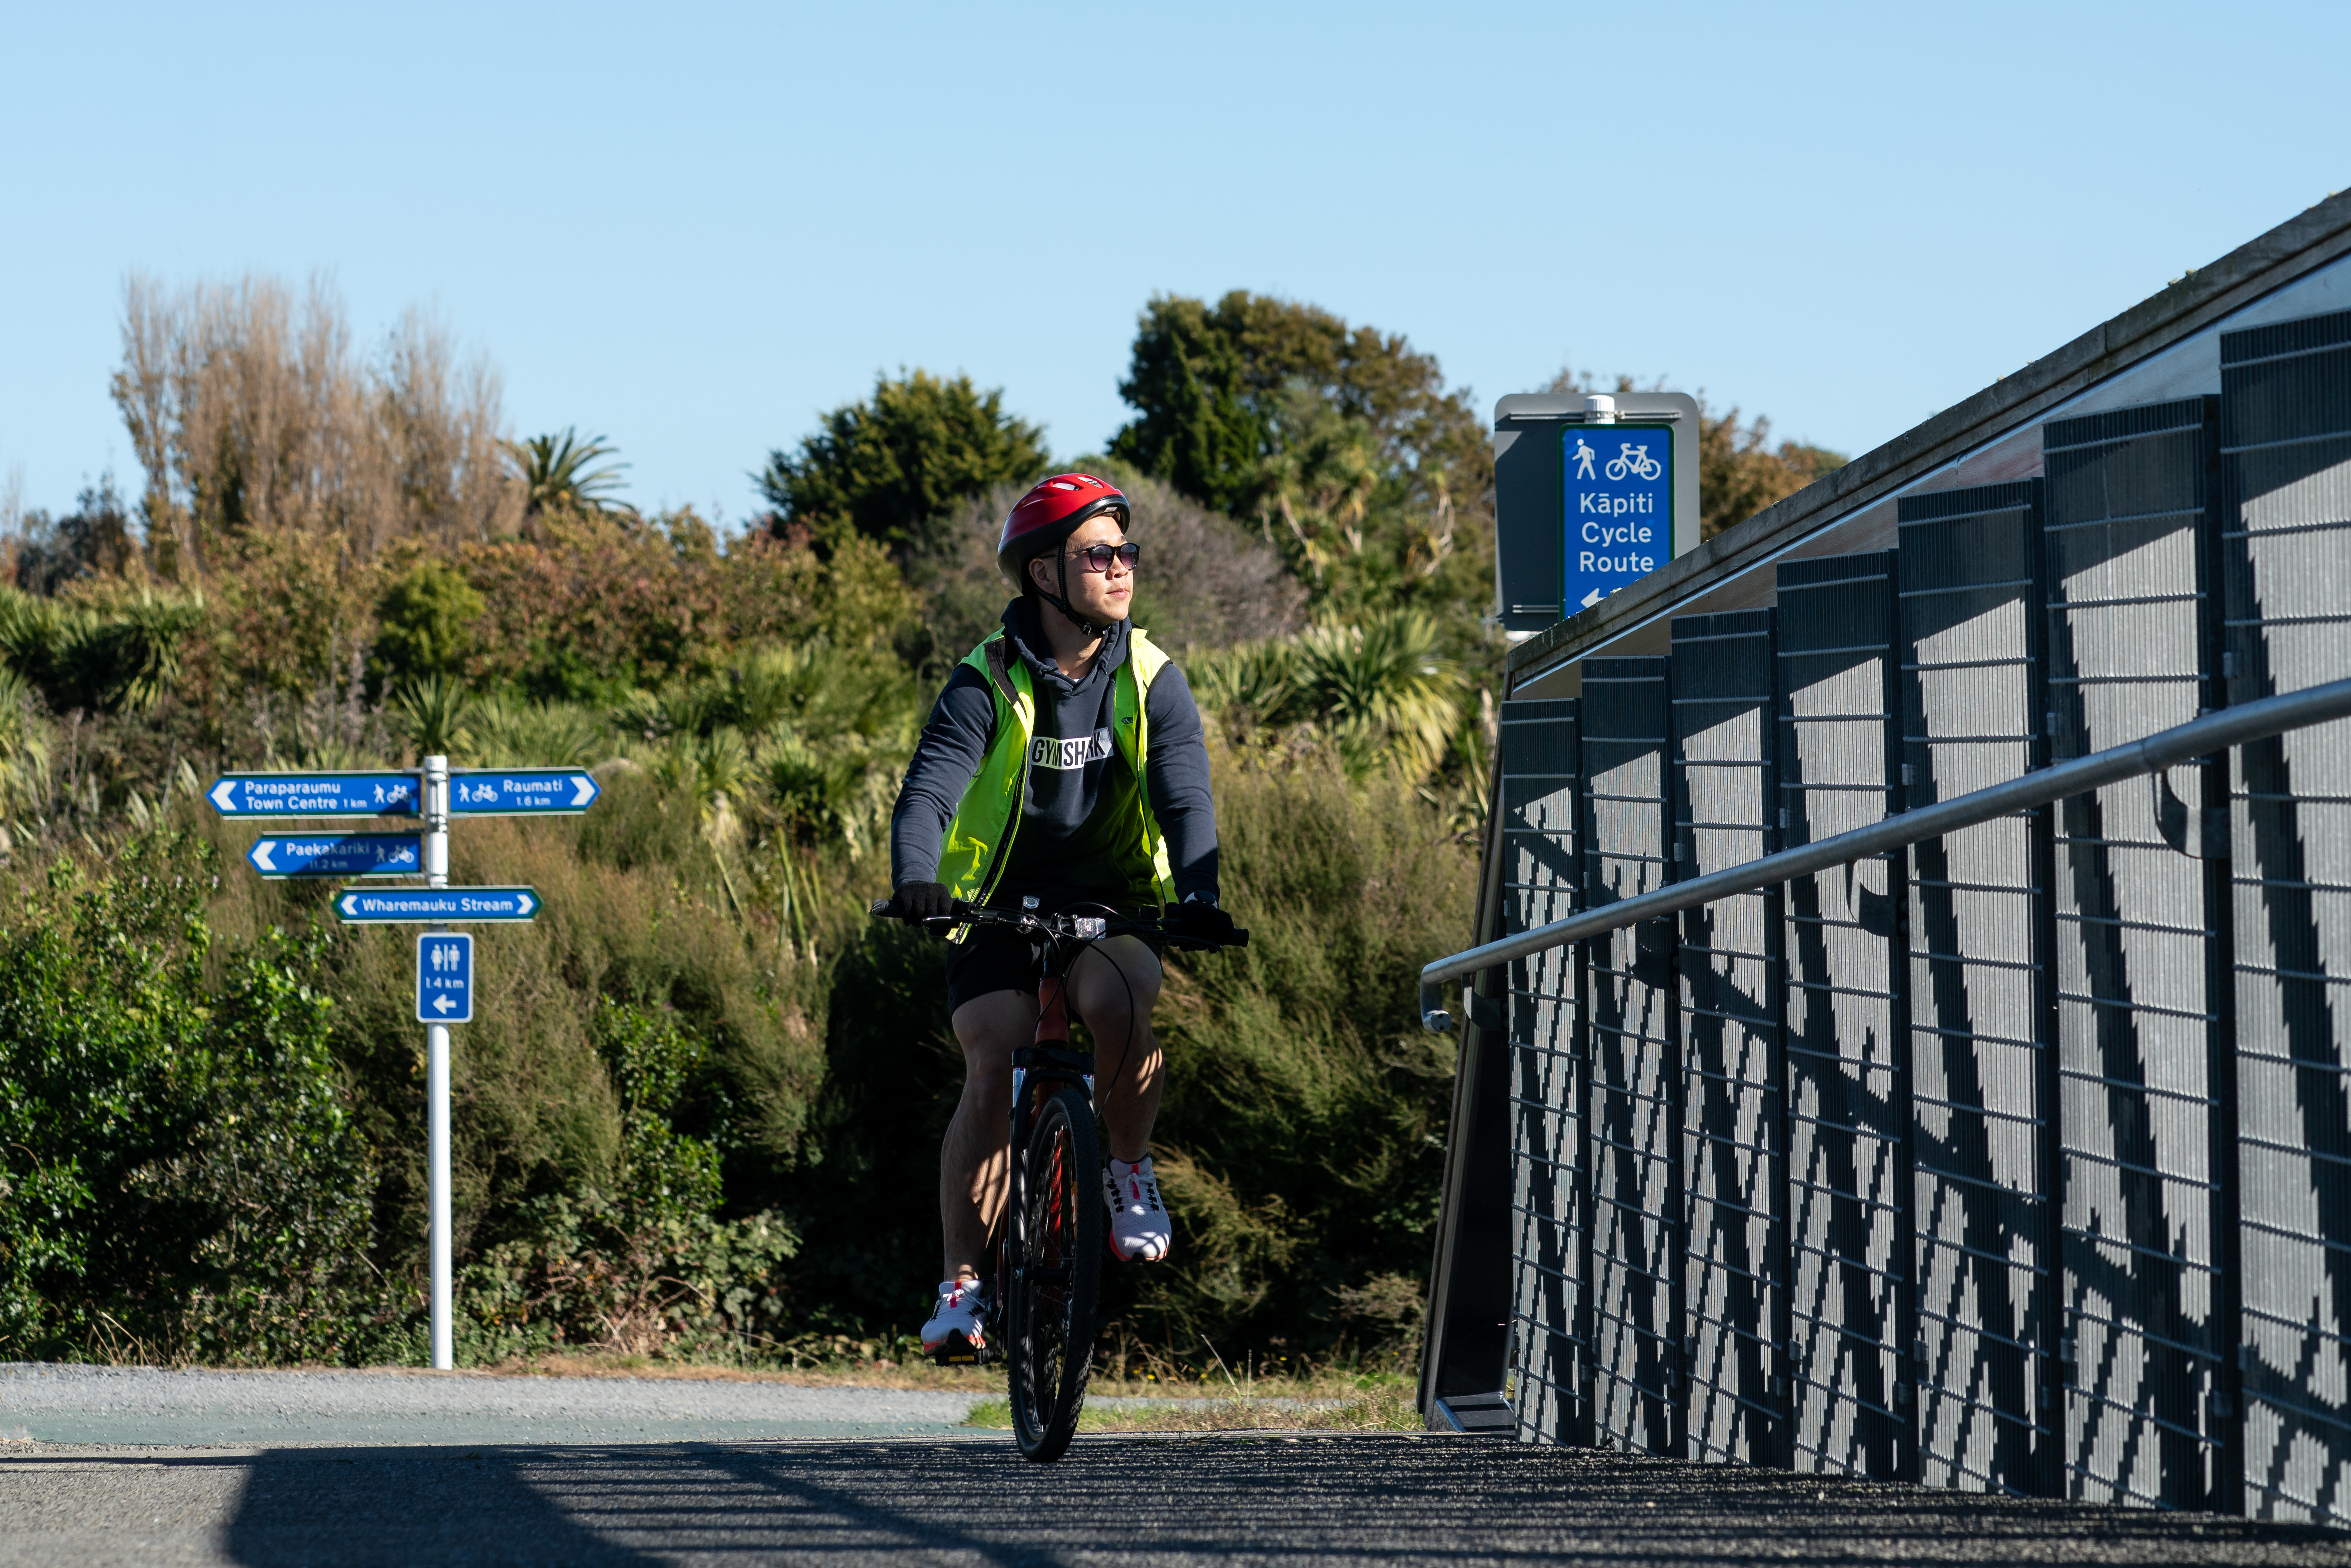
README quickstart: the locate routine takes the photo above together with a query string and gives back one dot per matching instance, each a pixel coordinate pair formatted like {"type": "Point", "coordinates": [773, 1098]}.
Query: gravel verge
{"type": "Point", "coordinates": [54, 1403]}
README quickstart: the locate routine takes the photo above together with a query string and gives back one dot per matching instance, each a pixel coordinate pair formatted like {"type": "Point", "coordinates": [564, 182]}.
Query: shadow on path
{"type": "Point", "coordinates": [1326, 1501]}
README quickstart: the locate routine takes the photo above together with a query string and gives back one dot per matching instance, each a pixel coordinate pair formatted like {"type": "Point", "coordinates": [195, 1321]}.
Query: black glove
{"type": "Point", "coordinates": [919, 901]}
{"type": "Point", "coordinates": [1199, 920]}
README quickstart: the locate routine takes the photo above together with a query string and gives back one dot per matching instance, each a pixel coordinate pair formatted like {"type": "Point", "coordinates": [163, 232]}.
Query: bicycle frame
{"type": "Point", "coordinates": [1042, 1065]}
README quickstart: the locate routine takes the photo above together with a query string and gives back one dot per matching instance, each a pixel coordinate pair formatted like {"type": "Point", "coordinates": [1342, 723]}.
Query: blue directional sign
{"type": "Point", "coordinates": [314, 794]}
{"type": "Point", "coordinates": [337, 854]}
{"type": "Point", "coordinates": [1617, 481]}
{"type": "Point", "coordinates": [434, 906]}
{"type": "Point", "coordinates": [520, 791]}
{"type": "Point", "coordinates": [444, 976]}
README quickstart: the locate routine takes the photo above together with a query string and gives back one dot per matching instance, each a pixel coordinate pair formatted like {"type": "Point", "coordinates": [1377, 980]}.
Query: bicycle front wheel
{"type": "Point", "coordinates": [1056, 1276]}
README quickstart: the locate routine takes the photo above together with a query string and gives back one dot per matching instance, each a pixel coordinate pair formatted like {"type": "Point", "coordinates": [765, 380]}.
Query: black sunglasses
{"type": "Point", "coordinates": [1098, 557]}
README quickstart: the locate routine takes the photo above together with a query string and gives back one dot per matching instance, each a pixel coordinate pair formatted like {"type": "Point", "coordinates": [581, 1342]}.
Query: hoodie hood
{"type": "Point", "coordinates": [1025, 628]}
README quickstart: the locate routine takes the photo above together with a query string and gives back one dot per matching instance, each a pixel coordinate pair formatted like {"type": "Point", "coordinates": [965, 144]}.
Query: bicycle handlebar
{"type": "Point", "coordinates": [1078, 927]}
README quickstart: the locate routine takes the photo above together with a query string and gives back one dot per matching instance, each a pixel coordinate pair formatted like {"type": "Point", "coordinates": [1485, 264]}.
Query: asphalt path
{"type": "Point", "coordinates": [1265, 1499]}
{"type": "Point", "coordinates": [956, 1496]}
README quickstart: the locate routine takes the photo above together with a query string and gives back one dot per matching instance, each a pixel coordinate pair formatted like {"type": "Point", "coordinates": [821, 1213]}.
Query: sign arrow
{"type": "Point", "coordinates": [224, 795]}
{"type": "Point", "coordinates": [442, 1004]}
{"type": "Point", "coordinates": [261, 853]}
{"type": "Point", "coordinates": [1591, 599]}
{"type": "Point", "coordinates": [587, 787]}
{"type": "Point", "coordinates": [525, 903]}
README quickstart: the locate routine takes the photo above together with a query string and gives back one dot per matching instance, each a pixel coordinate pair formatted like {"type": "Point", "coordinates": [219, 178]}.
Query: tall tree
{"type": "Point", "coordinates": [894, 466]}
{"type": "Point", "coordinates": [1739, 472]}
{"type": "Point", "coordinates": [1213, 389]}
{"type": "Point", "coordinates": [1340, 442]}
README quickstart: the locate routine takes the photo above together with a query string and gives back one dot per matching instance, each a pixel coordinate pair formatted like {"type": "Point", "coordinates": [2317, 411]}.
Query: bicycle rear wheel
{"type": "Point", "coordinates": [1056, 1276]}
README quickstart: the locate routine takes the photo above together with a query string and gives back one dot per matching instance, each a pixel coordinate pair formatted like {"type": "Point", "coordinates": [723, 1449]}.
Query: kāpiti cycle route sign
{"type": "Point", "coordinates": [1617, 486]}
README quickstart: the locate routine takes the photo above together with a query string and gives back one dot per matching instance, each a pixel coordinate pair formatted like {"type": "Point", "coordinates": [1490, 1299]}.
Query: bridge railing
{"type": "Point", "coordinates": [2194, 741]}
{"type": "Point", "coordinates": [1912, 1037]}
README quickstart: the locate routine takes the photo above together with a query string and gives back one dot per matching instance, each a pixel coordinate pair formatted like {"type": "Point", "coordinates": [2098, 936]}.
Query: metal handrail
{"type": "Point", "coordinates": [2164, 749]}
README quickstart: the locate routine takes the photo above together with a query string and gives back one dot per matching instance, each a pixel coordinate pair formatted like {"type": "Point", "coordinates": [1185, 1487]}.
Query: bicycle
{"type": "Point", "coordinates": [1050, 1241]}
{"type": "Point", "coordinates": [1631, 459]}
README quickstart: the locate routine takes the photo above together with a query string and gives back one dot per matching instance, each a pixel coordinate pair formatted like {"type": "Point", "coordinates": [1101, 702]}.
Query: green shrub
{"type": "Point", "coordinates": [181, 1171]}
{"type": "Point", "coordinates": [425, 622]}
{"type": "Point", "coordinates": [642, 1263]}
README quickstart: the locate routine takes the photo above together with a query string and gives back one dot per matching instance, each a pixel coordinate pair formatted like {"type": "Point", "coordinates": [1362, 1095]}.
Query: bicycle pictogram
{"type": "Point", "coordinates": [1631, 460]}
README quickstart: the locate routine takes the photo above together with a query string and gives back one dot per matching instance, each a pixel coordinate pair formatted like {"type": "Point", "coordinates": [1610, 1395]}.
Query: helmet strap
{"type": "Point", "coordinates": [1060, 600]}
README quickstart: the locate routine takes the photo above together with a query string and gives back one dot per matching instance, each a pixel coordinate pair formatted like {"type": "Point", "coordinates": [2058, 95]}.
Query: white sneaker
{"type": "Point", "coordinates": [1139, 1231]}
{"type": "Point", "coordinates": [959, 1325]}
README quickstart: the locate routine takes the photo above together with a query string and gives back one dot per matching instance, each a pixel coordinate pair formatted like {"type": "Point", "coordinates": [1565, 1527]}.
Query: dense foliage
{"type": "Point", "coordinates": [891, 468]}
{"type": "Point", "coordinates": [697, 1112]}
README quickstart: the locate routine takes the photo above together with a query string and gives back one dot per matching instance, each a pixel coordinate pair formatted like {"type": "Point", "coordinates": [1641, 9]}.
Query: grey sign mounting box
{"type": "Point", "coordinates": [1530, 521]}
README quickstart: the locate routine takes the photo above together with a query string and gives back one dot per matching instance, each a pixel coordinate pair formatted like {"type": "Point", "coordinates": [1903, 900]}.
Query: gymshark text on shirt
{"type": "Point", "coordinates": [1069, 755]}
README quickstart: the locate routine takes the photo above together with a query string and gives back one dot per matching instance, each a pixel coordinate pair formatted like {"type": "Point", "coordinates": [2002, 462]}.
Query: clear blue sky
{"type": "Point", "coordinates": [694, 228]}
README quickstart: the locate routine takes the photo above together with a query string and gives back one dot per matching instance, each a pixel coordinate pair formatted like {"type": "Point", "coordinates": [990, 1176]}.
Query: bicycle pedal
{"type": "Point", "coordinates": [957, 1351]}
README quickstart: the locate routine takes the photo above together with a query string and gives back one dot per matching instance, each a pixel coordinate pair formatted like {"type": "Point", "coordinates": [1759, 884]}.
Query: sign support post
{"type": "Point", "coordinates": [436, 1075]}
{"type": "Point", "coordinates": [445, 968]}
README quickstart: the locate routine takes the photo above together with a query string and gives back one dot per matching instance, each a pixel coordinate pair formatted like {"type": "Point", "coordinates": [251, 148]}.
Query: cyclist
{"type": "Point", "coordinates": [1063, 761]}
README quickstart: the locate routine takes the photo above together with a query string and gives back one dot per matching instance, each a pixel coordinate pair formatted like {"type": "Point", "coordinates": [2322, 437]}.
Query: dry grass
{"type": "Point", "coordinates": [1388, 1408]}
{"type": "Point", "coordinates": [1325, 1400]}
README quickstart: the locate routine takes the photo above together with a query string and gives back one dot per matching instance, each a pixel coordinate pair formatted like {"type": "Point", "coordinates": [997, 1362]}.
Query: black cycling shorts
{"type": "Point", "coordinates": [995, 958]}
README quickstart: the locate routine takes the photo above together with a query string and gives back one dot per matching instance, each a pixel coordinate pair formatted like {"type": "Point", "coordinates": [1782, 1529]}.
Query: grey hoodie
{"type": "Point", "coordinates": [1078, 838]}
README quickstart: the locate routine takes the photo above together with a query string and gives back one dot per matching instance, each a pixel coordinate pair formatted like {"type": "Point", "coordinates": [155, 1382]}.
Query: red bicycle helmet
{"type": "Point", "coordinates": [1051, 512]}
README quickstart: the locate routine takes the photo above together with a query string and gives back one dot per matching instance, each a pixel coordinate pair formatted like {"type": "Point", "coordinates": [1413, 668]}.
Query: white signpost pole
{"type": "Point", "coordinates": [437, 1074]}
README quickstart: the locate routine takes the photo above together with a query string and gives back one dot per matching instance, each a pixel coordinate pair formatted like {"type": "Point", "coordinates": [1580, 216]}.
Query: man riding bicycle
{"type": "Point", "coordinates": [1064, 762]}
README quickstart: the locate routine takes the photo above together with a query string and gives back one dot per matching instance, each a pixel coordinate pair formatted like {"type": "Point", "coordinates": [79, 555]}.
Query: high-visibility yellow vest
{"type": "Point", "coordinates": [979, 840]}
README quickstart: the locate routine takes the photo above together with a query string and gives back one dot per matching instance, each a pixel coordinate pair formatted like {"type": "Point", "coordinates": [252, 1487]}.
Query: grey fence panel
{"type": "Point", "coordinates": [1734, 1273]}
{"type": "Point", "coordinates": [2286, 509]}
{"type": "Point", "coordinates": [2019, 1160]}
{"type": "Point", "coordinates": [1973, 713]}
{"type": "Point", "coordinates": [1636, 1080]}
{"type": "Point", "coordinates": [2138, 914]}
{"type": "Point", "coordinates": [1848, 1024]}
{"type": "Point", "coordinates": [1542, 880]}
